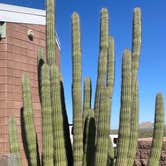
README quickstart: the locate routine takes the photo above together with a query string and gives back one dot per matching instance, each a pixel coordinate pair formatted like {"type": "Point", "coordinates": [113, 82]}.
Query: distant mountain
{"type": "Point", "coordinates": [145, 130]}
{"type": "Point", "coordinates": [145, 125]}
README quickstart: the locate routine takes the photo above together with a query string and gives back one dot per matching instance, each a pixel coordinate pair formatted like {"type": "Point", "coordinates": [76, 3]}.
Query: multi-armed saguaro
{"type": "Point", "coordinates": [91, 142]}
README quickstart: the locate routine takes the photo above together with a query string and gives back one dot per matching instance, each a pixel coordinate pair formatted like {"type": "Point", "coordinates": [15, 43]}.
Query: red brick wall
{"type": "Point", "coordinates": [18, 54]}
{"type": "Point", "coordinates": [143, 152]}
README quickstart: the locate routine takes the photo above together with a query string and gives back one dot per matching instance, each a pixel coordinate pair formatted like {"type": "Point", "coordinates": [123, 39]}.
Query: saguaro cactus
{"type": "Point", "coordinates": [13, 140]}
{"type": "Point", "coordinates": [102, 62]}
{"type": "Point", "coordinates": [93, 148]}
{"type": "Point", "coordinates": [136, 48]}
{"type": "Point", "coordinates": [47, 130]}
{"type": "Point", "coordinates": [158, 131]}
{"type": "Point", "coordinates": [50, 32]}
{"type": "Point", "coordinates": [124, 124]}
{"type": "Point", "coordinates": [76, 92]}
{"type": "Point", "coordinates": [58, 133]}
{"type": "Point", "coordinates": [29, 123]}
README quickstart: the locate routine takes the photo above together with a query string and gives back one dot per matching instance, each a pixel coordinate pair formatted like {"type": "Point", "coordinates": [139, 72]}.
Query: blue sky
{"type": "Point", "coordinates": [152, 71]}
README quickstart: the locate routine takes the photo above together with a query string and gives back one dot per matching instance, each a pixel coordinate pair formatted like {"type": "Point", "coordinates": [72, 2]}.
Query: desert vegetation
{"type": "Point", "coordinates": [91, 144]}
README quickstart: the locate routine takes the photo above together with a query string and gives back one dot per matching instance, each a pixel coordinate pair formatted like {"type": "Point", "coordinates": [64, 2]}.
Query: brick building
{"type": "Point", "coordinates": [18, 54]}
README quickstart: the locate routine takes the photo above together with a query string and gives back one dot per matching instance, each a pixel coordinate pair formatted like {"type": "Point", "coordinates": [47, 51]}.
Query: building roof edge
{"type": "Point", "coordinates": [19, 14]}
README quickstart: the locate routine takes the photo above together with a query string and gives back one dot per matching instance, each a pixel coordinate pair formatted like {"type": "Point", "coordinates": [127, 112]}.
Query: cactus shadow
{"type": "Point", "coordinates": [90, 138]}
{"type": "Point", "coordinates": [39, 68]}
{"type": "Point", "coordinates": [68, 144]}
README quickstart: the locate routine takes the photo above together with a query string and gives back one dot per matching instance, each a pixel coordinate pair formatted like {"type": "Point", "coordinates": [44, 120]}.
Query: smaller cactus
{"type": "Point", "coordinates": [13, 140]}
{"type": "Point", "coordinates": [158, 131]}
{"type": "Point", "coordinates": [29, 123]}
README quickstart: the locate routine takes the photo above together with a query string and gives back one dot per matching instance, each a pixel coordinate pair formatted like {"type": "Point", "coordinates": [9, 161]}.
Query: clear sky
{"type": "Point", "coordinates": [152, 73]}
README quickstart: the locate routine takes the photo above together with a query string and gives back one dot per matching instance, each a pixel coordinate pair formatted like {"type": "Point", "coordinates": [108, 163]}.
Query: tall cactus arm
{"type": "Point", "coordinates": [102, 62]}
{"type": "Point", "coordinates": [136, 49]}
{"type": "Point", "coordinates": [47, 130]}
{"type": "Point", "coordinates": [124, 124]}
{"type": "Point", "coordinates": [76, 92]}
{"type": "Point", "coordinates": [158, 131]}
{"type": "Point", "coordinates": [50, 31]}
{"type": "Point", "coordinates": [136, 40]}
{"type": "Point", "coordinates": [13, 140]}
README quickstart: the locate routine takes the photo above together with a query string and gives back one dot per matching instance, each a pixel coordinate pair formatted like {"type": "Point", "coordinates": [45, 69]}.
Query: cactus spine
{"type": "Point", "coordinates": [102, 60]}
{"type": "Point", "coordinates": [29, 123]}
{"type": "Point", "coordinates": [50, 32]}
{"type": "Point", "coordinates": [136, 47]}
{"type": "Point", "coordinates": [102, 130]}
{"type": "Point", "coordinates": [47, 130]}
{"type": "Point", "coordinates": [59, 144]}
{"type": "Point", "coordinates": [76, 92]}
{"type": "Point", "coordinates": [13, 140]}
{"type": "Point", "coordinates": [124, 124]}
{"type": "Point", "coordinates": [158, 131]}
{"type": "Point", "coordinates": [87, 98]}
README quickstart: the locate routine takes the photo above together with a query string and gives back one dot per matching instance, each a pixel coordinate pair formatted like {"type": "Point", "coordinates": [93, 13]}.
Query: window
{"type": "Point", "coordinates": [2, 29]}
